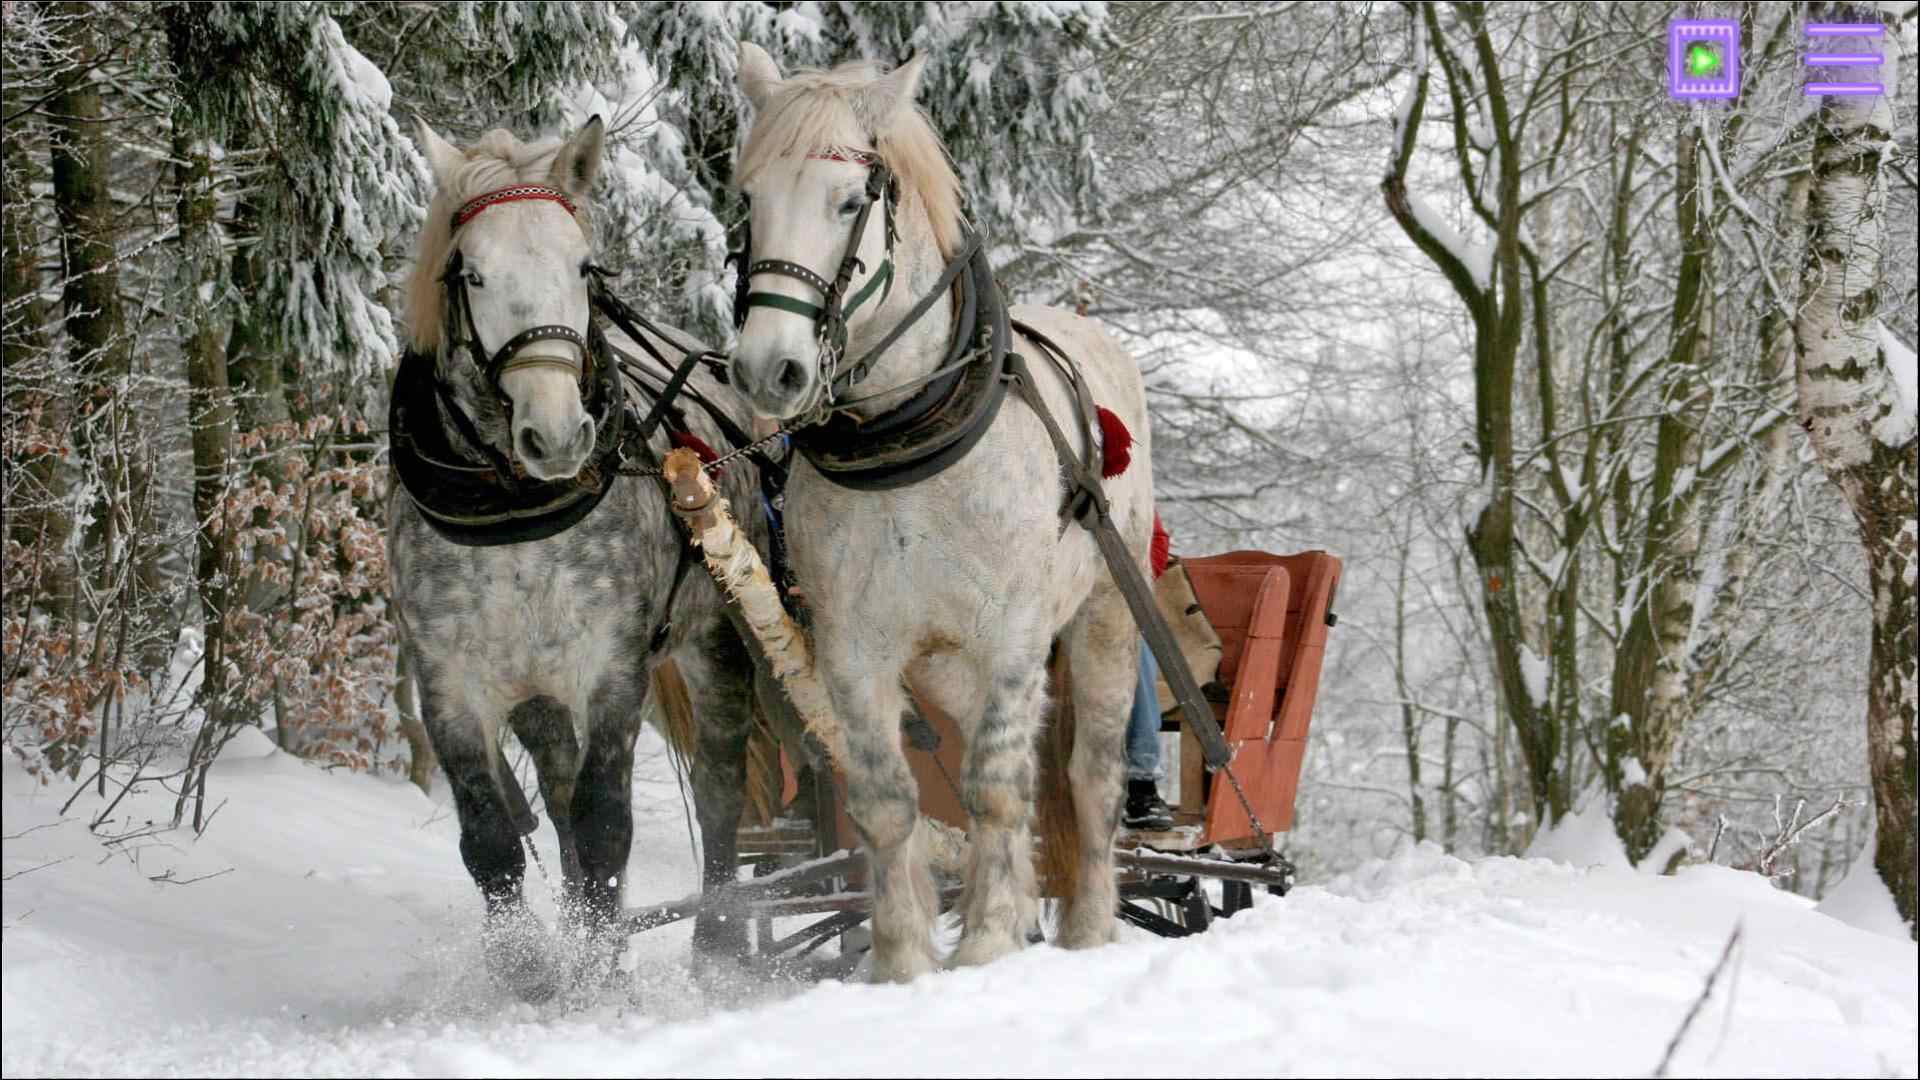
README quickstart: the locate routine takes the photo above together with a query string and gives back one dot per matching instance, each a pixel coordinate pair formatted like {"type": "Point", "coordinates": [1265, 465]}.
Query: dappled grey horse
{"type": "Point", "coordinates": [537, 588]}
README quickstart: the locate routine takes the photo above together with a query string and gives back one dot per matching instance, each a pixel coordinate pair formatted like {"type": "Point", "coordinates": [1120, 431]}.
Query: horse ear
{"type": "Point", "coordinates": [578, 162]}
{"type": "Point", "coordinates": [759, 75]}
{"type": "Point", "coordinates": [887, 95]}
{"type": "Point", "coordinates": [442, 156]}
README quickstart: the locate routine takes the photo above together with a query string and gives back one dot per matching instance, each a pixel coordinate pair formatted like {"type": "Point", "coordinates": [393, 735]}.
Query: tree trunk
{"type": "Point", "coordinates": [254, 367]}
{"type": "Point", "coordinates": [209, 404]}
{"type": "Point", "coordinates": [1409, 724]}
{"type": "Point", "coordinates": [90, 298]}
{"type": "Point", "coordinates": [99, 354]}
{"type": "Point", "coordinates": [1450, 807]}
{"type": "Point", "coordinates": [1652, 690]}
{"type": "Point", "coordinates": [1864, 436]}
{"type": "Point", "coordinates": [35, 388]}
{"type": "Point", "coordinates": [1496, 305]}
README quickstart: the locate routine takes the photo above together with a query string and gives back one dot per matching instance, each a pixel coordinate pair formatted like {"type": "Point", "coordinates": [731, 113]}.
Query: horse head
{"type": "Point", "coordinates": [501, 292]}
{"type": "Point", "coordinates": [840, 169]}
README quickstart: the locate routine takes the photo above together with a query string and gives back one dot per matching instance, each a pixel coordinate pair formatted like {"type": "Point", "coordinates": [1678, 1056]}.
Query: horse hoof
{"type": "Point", "coordinates": [901, 968]}
{"type": "Point", "coordinates": [1073, 936]}
{"type": "Point", "coordinates": [520, 956]}
{"type": "Point", "coordinates": [975, 950]}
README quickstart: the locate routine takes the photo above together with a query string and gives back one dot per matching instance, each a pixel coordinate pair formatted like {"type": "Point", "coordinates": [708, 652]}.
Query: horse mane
{"type": "Point", "coordinates": [815, 109]}
{"type": "Point", "coordinates": [497, 160]}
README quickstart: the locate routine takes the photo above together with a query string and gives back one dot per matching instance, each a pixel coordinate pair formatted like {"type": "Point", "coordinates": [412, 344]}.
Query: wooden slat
{"type": "Point", "coordinates": [1251, 712]}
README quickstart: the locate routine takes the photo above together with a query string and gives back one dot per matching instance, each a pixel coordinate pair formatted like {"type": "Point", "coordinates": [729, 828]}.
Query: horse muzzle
{"type": "Point", "coordinates": [781, 385]}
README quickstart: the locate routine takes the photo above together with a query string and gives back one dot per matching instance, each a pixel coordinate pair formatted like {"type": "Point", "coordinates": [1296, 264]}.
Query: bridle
{"type": "Point", "coordinates": [460, 305]}
{"type": "Point", "coordinates": [595, 369]}
{"type": "Point", "coordinates": [829, 316]}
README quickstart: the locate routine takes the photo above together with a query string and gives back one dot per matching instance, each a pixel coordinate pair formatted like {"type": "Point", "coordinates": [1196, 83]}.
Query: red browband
{"type": "Point", "coordinates": [850, 156]}
{"type": "Point", "coordinates": [516, 193]}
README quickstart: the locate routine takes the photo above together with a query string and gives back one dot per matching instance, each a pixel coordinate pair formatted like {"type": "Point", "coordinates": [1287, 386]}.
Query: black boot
{"type": "Point", "coordinates": [1145, 809]}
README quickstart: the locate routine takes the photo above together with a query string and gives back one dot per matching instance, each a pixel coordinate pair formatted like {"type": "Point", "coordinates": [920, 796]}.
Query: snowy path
{"type": "Point", "coordinates": [337, 946]}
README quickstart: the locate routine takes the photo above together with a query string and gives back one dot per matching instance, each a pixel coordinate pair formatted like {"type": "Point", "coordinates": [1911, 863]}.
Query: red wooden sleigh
{"type": "Point", "coordinates": [1270, 615]}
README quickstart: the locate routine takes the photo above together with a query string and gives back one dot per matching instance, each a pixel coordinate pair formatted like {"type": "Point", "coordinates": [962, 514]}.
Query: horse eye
{"type": "Point", "coordinates": [852, 206]}
{"type": "Point", "coordinates": [472, 277]}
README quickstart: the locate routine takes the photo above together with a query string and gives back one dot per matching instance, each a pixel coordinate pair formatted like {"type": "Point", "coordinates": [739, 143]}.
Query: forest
{"type": "Point", "coordinates": [1606, 399]}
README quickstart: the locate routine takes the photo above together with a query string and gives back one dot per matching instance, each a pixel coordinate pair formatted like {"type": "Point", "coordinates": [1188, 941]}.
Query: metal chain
{"type": "Point", "coordinates": [717, 463]}
{"type": "Point", "coordinates": [1259, 830]}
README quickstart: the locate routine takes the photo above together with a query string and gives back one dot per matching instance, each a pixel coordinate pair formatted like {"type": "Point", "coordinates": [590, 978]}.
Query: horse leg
{"type": "Point", "coordinates": [515, 945]}
{"type": "Point", "coordinates": [884, 803]}
{"type": "Point", "coordinates": [545, 728]}
{"type": "Point", "coordinates": [602, 819]}
{"type": "Point", "coordinates": [998, 784]}
{"type": "Point", "coordinates": [719, 675]}
{"type": "Point", "coordinates": [1103, 652]}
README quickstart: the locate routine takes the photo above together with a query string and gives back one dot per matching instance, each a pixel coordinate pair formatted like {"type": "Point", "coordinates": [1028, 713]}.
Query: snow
{"type": "Point", "coordinates": [340, 943]}
{"type": "Point", "coordinates": [1862, 900]}
{"type": "Point", "coordinates": [362, 79]}
{"type": "Point", "coordinates": [1583, 838]}
{"type": "Point", "coordinates": [1477, 258]}
{"type": "Point", "coordinates": [1672, 842]}
{"type": "Point", "coordinates": [1533, 669]}
{"type": "Point", "coordinates": [1632, 772]}
{"type": "Point", "coordinates": [1897, 427]}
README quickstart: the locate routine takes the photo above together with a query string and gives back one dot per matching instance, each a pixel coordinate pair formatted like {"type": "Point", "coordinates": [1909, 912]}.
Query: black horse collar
{"type": "Point", "coordinates": [942, 421]}
{"type": "Point", "coordinates": [472, 495]}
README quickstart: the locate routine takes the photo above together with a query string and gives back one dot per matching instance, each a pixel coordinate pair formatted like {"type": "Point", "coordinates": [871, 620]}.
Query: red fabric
{"type": "Point", "coordinates": [1162, 547]}
{"type": "Point", "coordinates": [1116, 444]}
{"type": "Point", "coordinates": [687, 440]}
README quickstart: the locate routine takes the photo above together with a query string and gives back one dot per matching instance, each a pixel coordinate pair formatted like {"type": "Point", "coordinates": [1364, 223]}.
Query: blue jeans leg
{"type": "Point", "coordinates": [1143, 725]}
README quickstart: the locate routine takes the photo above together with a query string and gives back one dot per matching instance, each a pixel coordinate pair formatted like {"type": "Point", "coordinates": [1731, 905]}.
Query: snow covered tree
{"type": "Point", "coordinates": [1618, 473]}
{"type": "Point", "coordinates": [1857, 405]}
{"type": "Point", "coordinates": [1009, 87]}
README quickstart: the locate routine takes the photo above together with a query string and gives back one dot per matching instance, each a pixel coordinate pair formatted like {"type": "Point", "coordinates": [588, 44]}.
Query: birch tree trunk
{"type": "Point", "coordinates": [1864, 435]}
{"type": "Point", "coordinates": [1652, 691]}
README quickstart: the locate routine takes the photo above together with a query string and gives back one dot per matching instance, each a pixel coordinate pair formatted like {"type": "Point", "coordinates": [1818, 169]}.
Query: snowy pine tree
{"type": "Point", "coordinates": [1011, 88]}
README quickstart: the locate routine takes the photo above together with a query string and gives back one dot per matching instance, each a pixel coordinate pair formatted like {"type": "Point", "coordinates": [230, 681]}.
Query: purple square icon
{"type": "Point", "coordinates": [1703, 59]}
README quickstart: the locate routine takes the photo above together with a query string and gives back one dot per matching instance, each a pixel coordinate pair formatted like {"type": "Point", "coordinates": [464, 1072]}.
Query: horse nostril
{"type": "Point", "coordinates": [531, 446]}
{"type": "Point", "coordinates": [792, 375]}
{"type": "Point", "coordinates": [583, 437]}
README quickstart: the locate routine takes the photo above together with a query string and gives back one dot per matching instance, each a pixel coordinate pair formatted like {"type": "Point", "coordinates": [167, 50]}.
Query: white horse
{"type": "Point", "coordinates": [960, 582]}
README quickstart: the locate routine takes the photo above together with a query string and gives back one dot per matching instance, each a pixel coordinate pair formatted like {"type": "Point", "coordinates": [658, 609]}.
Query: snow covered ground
{"type": "Point", "coordinates": [340, 944]}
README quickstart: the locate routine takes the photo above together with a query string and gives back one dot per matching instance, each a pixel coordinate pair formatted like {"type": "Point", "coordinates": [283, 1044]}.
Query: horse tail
{"type": "Point", "coordinates": [676, 710]}
{"type": "Point", "coordinates": [1058, 858]}
{"type": "Point", "coordinates": [765, 778]}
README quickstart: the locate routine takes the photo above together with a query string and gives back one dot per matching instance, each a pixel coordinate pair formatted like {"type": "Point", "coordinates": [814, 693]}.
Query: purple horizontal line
{"type": "Point", "coordinates": [1836, 89]}
{"type": "Point", "coordinates": [1845, 29]}
{"type": "Point", "coordinates": [1845, 59]}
